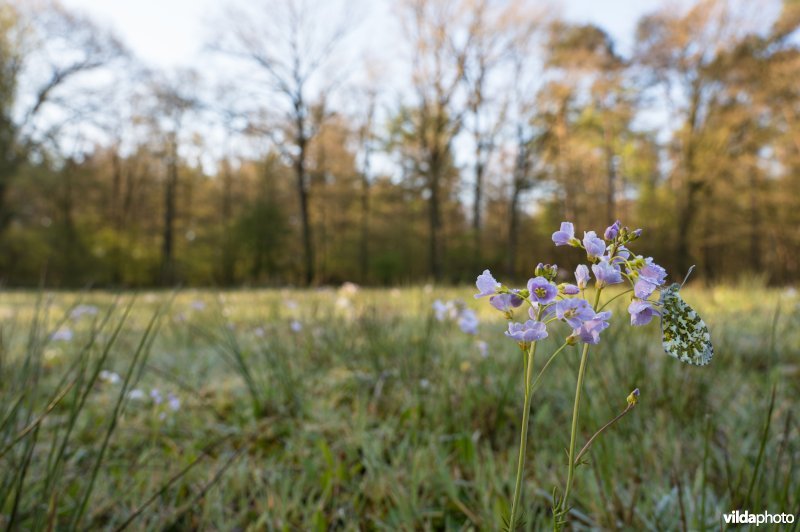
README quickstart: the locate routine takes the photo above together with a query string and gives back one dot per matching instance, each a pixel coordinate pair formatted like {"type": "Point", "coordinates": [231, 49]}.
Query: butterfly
{"type": "Point", "coordinates": [684, 334]}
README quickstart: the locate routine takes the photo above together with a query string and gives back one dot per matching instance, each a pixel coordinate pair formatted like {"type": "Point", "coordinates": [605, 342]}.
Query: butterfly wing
{"type": "Point", "coordinates": [684, 334]}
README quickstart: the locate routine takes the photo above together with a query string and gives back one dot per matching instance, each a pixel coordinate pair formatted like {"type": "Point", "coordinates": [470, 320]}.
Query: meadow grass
{"type": "Point", "coordinates": [210, 410]}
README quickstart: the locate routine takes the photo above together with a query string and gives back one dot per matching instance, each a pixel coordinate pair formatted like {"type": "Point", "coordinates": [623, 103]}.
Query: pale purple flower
{"type": "Point", "coordinates": [155, 395]}
{"type": "Point", "coordinates": [296, 326]}
{"type": "Point", "coordinates": [589, 331]}
{"type": "Point", "coordinates": [468, 321]}
{"type": "Point", "coordinates": [83, 310]}
{"type": "Point", "coordinates": [582, 276]}
{"type": "Point", "coordinates": [547, 311]}
{"type": "Point", "coordinates": [612, 231]}
{"type": "Point", "coordinates": [574, 311]}
{"type": "Point", "coordinates": [530, 331]}
{"type": "Point", "coordinates": [651, 276]}
{"type": "Point", "coordinates": [541, 290]}
{"type": "Point", "coordinates": [595, 247]}
{"type": "Point", "coordinates": [570, 289]}
{"type": "Point", "coordinates": [606, 274]}
{"type": "Point", "coordinates": [440, 310]}
{"type": "Point", "coordinates": [174, 402]}
{"type": "Point", "coordinates": [564, 236]}
{"type": "Point", "coordinates": [198, 304]}
{"type": "Point", "coordinates": [505, 302]}
{"type": "Point", "coordinates": [487, 285]}
{"type": "Point", "coordinates": [64, 334]}
{"type": "Point", "coordinates": [642, 312]}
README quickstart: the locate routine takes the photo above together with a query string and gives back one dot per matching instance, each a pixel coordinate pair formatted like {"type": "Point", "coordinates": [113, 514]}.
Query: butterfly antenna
{"type": "Point", "coordinates": [691, 269]}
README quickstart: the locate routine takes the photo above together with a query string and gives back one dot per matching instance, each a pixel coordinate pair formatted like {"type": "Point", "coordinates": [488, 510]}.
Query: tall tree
{"type": "Point", "coordinates": [174, 99]}
{"type": "Point", "coordinates": [441, 34]}
{"type": "Point", "coordinates": [44, 49]}
{"type": "Point", "coordinates": [290, 45]}
{"type": "Point", "coordinates": [679, 52]}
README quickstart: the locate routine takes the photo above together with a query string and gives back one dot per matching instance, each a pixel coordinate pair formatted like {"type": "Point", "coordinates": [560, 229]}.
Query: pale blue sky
{"type": "Point", "coordinates": [169, 33]}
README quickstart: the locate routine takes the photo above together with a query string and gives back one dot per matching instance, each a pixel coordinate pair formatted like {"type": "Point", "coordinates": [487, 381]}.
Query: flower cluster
{"type": "Point", "coordinates": [613, 263]}
{"type": "Point", "coordinates": [610, 262]}
{"type": "Point", "coordinates": [547, 302]}
{"type": "Point", "coordinates": [456, 310]}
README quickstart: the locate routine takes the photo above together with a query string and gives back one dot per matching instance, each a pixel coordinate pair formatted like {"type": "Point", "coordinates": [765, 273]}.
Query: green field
{"type": "Point", "coordinates": [376, 416]}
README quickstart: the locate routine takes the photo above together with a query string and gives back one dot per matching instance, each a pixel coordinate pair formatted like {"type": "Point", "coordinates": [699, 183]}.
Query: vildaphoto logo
{"type": "Point", "coordinates": [738, 517]}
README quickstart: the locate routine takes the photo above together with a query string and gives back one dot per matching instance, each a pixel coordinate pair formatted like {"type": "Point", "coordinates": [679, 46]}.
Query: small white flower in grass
{"type": "Point", "coordinates": [83, 310]}
{"type": "Point", "coordinates": [136, 394]}
{"type": "Point", "coordinates": [64, 334]}
{"type": "Point", "coordinates": [483, 348]}
{"type": "Point", "coordinates": [109, 377]}
{"type": "Point", "coordinates": [424, 384]}
{"type": "Point", "coordinates": [349, 289]}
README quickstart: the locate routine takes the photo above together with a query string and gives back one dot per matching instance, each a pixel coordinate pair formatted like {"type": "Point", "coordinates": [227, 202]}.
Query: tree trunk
{"type": "Point", "coordinates": [520, 176]}
{"type": "Point", "coordinates": [434, 225]}
{"type": "Point", "coordinates": [476, 207]}
{"type": "Point", "coordinates": [115, 215]}
{"type": "Point", "coordinates": [302, 192]}
{"type": "Point", "coordinates": [693, 186]}
{"type": "Point", "coordinates": [611, 171]}
{"type": "Point", "coordinates": [170, 189]}
{"type": "Point", "coordinates": [364, 244]}
{"type": "Point", "coordinates": [228, 258]}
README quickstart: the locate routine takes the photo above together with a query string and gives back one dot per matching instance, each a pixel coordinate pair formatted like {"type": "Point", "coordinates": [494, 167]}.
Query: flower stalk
{"type": "Point", "coordinates": [562, 505]}
{"type": "Point", "coordinates": [523, 437]}
{"type": "Point", "coordinates": [550, 302]}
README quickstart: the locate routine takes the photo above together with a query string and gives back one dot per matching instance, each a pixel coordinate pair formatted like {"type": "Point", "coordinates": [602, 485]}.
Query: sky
{"type": "Point", "coordinates": [170, 33]}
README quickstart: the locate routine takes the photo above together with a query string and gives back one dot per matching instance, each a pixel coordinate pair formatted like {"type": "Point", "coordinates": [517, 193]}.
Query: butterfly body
{"type": "Point", "coordinates": [684, 334]}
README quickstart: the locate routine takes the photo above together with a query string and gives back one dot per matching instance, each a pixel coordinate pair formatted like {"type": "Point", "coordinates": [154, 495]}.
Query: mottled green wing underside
{"type": "Point", "coordinates": [684, 334]}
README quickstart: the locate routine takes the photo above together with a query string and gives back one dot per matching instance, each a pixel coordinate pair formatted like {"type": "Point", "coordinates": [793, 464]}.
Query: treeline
{"type": "Point", "coordinates": [290, 160]}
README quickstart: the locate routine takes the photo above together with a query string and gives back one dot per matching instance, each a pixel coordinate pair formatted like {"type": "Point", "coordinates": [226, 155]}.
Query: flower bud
{"type": "Point", "coordinates": [633, 398]}
{"type": "Point", "coordinates": [548, 271]}
{"type": "Point", "coordinates": [572, 339]}
{"type": "Point", "coordinates": [568, 289]}
{"type": "Point", "coordinates": [612, 231]}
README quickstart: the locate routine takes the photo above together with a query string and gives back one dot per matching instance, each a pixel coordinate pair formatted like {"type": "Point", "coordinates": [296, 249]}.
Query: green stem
{"type": "Point", "coordinates": [575, 413]}
{"type": "Point", "coordinates": [602, 430]}
{"type": "Point", "coordinates": [615, 297]}
{"type": "Point", "coordinates": [523, 439]}
{"type": "Point", "coordinates": [546, 365]}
